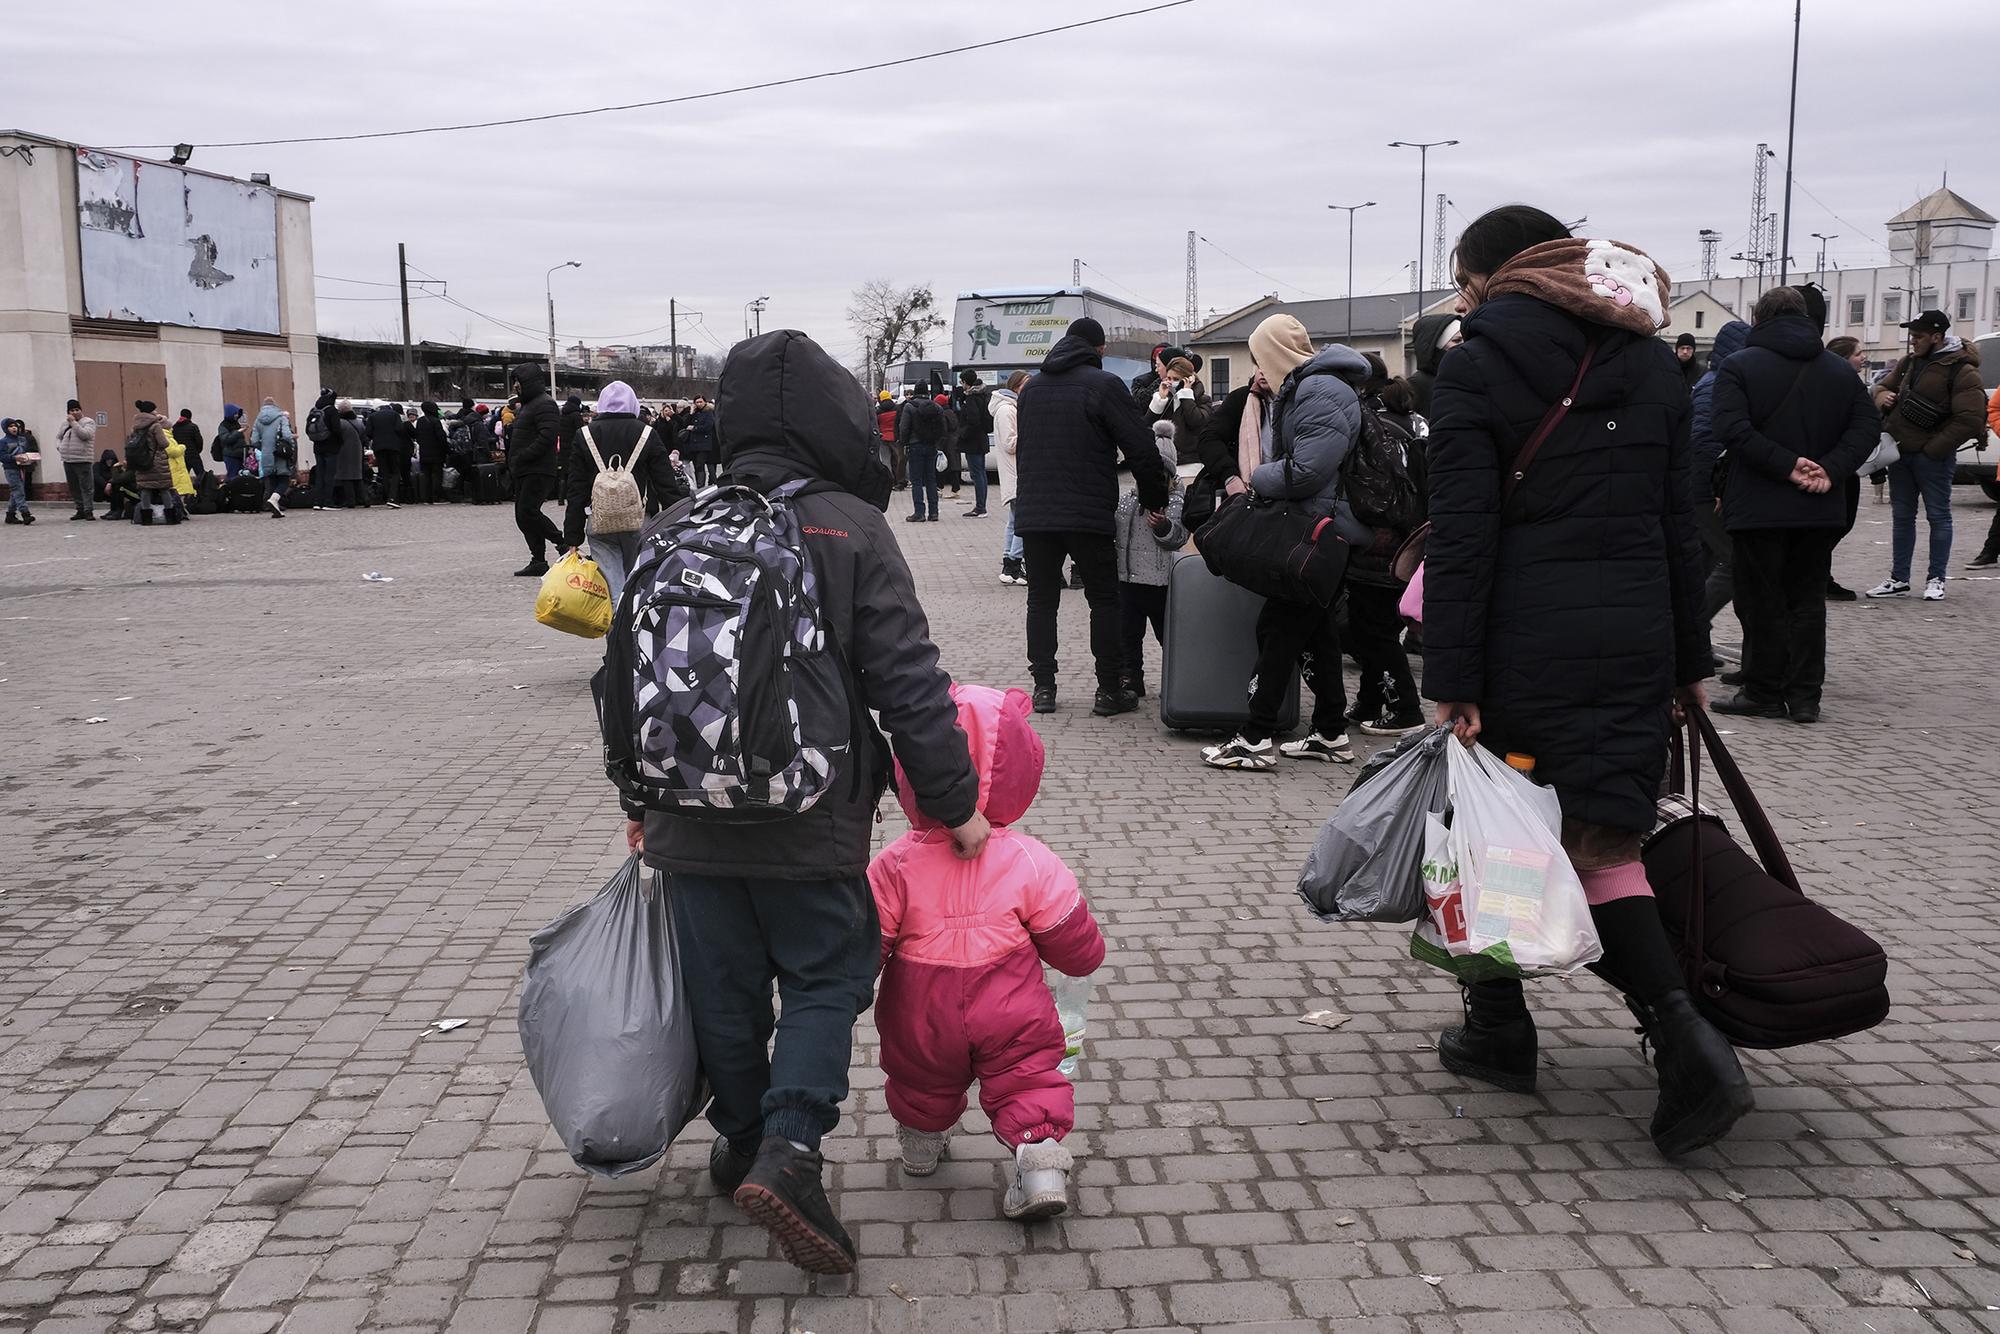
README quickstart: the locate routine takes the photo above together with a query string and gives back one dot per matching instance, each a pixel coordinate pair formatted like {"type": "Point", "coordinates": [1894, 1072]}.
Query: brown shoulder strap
{"type": "Point", "coordinates": [1550, 420]}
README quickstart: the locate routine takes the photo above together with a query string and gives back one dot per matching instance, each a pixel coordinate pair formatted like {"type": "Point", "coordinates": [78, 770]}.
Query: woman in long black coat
{"type": "Point", "coordinates": [1566, 623]}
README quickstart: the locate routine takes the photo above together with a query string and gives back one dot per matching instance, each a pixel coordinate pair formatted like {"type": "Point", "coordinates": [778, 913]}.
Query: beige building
{"type": "Point", "coordinates": [124, 278]}
{"type": "Point", "coordinates": [1378, 324]}
{"type": "Point", "coordinates": [1941, 258]}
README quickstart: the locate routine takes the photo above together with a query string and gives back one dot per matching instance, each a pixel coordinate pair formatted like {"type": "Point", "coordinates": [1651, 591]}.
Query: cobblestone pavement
{"type": "Point", "coordinates": [267, 823]}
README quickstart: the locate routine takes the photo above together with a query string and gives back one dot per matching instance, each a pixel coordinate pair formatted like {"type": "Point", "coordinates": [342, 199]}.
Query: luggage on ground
{"type": "Point", "coordinates": [1765, 964]}
{"type": "Point", "coordinates": [1503, 899]}
{"type": "Point", "coordinates": [243, 494]}
{"type": "Point", "coordinates": [486, 484]}
{"type": "Point", "coordinates": [575, 598]}
{"type": "Point", "coordinates": [605, 1029]}
{"type": "Point", "coordinates": [1367, 863]}
{"type": "Point", "coordinates": [1210, 653]}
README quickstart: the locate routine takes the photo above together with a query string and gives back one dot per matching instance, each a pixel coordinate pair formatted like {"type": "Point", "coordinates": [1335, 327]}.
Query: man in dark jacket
{"type": "Point", "coordinates": [1708, 451]}
{"type": "Point", "coordinates": [1076, 419]}
{"type": "Point", "coordinates": [1796, 422]}
{"type": "Point", "coordinates": [1430, 338]}
{"type": "Point", "coordinates": [392, 439]}
{"type": "Point", "coordinates": [697, 441]}
{"type": "Point", "coordinates": [1931, 403]}
{"type": "Point", "coordinates": [531, 461]}
{"type": "Point", "coordinates": [920, 426]}
{"type": "Point", "coordinates": [433, 445]}
{"type": "Point", "coordinates": [789, 900]}
{"type": "Point", "coordinates": [1690, 364]}
{"type": "Point", "coordinates": [973, 401]}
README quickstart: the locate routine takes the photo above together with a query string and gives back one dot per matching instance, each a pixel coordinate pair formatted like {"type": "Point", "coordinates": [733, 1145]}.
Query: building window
{"type": "Point", "coordinates": [1966, 309]}
{"type": "Point", "coordinates": [1218, 376]}
{"type": "Point", "coordinates": [1927, 300]}
{"type": "Point", "coordinates": [1857, 310]}
{"type": "Point", "coordinates": [1892, 309]}
{"type": "Point", "coordinates": [1699, 316]}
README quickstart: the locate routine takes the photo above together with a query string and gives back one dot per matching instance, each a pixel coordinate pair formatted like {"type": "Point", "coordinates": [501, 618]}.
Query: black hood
{"type": "Point", "coordinates": [1424, 336]}
{"type": "Point", "coordinates": [1794, 337]}
{"type": "Point", "coordinates": [534, 381]}
{"type": "Point", "coordinates": [325, 400]}
{"type": "Point", "coordinates": [1070, 352]}
{"type": "Point", "coordinates": [785, 410]}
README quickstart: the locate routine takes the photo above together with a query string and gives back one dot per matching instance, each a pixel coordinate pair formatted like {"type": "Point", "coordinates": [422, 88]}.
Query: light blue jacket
{"type": "Point", "coordinates": [270, 429]}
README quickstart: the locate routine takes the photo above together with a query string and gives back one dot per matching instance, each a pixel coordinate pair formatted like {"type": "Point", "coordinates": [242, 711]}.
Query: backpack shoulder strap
{"type": "Point", "coordinates": [591, 445]}
{"type": "Point", "coordinates": [632, 460]}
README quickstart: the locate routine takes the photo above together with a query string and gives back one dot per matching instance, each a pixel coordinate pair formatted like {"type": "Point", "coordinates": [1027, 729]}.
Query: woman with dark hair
{"type": "Point", "coordinates": [1563, 610]}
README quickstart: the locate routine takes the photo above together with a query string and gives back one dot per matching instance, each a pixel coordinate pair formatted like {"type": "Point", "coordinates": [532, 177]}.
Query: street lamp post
{"type": "Point", "coordinates": [548, 290]}
{"type": "Point", "coordinates": [1423, 185]}
{"type": "Point", "coordinates": [1351, 209]}
{"type": "Point", "coordinates": [757, 306]}
{"type": "Point", "coordinates": [1823, 238]}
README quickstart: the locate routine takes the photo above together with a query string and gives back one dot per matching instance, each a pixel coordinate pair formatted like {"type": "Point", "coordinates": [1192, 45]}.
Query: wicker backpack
{"type": "Point", "coordinates": [615, 505]}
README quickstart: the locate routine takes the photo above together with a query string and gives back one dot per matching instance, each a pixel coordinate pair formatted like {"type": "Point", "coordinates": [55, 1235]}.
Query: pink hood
{"type": "Point", "coordinates": [1006, 752]}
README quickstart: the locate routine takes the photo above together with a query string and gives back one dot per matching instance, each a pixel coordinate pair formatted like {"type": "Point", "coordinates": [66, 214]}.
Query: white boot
{"type": "Point", "coordinates": [1037, 1182]}
{"type": "Point", "coordinates": [922, 1150]}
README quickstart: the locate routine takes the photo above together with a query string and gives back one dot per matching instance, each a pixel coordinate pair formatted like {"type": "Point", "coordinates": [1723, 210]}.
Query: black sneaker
{"type": "Point", "coordinates": [1045, 699]}
{"type": "Point", "coordinates": [1803, 713]}
{"type": "Point", "coordinates": [1985, 560]}
{"type": "Point", "coordinates": [1837, 592]}
{"type": "Point", "coordinates": [933, 518]}
{"type": "Point", "coordinates": [534, 569]}
{"type": "Point", "coordinates": [727, 1167]}
{"type": "Point", "coordinates": [1743, 706]}
{"type": "Point", "coordinates": [783, 1195]}
{"type": "Point", "coordinates": [1111, 703]}
{"type": "Point", "coordinates": [1394, 724]}
{"type": "Point", "coordinates": [913, 518]}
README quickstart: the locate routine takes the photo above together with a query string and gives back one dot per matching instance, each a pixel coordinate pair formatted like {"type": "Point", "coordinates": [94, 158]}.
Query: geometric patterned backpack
{"type": "Point", "coordinates": [724, 696]}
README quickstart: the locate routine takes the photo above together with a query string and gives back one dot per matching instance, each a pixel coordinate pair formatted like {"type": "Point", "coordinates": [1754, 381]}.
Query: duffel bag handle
{"type": "Point", "coordinates": [1763, 837]}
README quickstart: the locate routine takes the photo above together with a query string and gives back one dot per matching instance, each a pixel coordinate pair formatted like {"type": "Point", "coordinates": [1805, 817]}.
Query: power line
{"type": "Point", "coordinates": [1260, 273]}
{"type": "Point", "coordinates": [1115, 283]}
{"type": "Point", "coordinates": [686, 97]}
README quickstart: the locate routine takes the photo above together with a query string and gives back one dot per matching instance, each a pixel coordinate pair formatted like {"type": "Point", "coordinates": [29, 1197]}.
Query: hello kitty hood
{"type": "Point", "coordinates": [1605, 282]}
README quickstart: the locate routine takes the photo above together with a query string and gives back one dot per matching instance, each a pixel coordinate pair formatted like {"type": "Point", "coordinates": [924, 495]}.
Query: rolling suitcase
{"type": "Point", "coordinates": [486, 484]}
{"type": "Point", "coordinates": [1211, 651]}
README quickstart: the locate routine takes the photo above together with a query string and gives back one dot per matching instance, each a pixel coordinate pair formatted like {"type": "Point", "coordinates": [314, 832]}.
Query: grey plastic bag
{"type": "Point", "coordinates": [1367, 863]}
{"type": "Point", "coordinates": [605, 1028]}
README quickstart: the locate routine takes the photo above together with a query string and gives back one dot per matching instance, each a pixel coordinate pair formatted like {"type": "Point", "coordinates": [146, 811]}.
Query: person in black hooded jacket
{"type": "Point", "coordinates": [1075, 420]}
{"type": "Point", "coordinates": [433, 444]}
{"type": "Point", "coordinates": [531, 461]}
{"type": "Point", "coordinates": [1565, 622]}
{"type": "Point", "coordinates": [789, 899]}
{"type": "Point", "coordinates": [1797, 422]}
{"type": "Point", "coordinates": [1431, 337]}
{"type": "Point", "coordinates": [390, 436]}
{"type": "Point", "coordinates": [615, 433]}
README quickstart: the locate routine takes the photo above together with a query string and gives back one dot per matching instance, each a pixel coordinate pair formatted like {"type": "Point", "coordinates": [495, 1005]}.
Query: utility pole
{"type": "Point", "coordinates": [548, 290]}
{"type": "Point", "coordinates": [403, 282]}
{"type": "Point", "coordinates": [1351, 209]}
{"type": "Point", "coordinates": [673, 348]}
{"type": "Point", "coordinates": [1791, 130]}
{"type": "Point", "coordinates": [1423, 193]}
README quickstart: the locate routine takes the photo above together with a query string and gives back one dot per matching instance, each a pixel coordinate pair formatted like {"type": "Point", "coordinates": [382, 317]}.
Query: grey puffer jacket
{"type": "Point", "coordinates": [1313, 422]}
{"type": "Point", "coordinates": [1144, 556]}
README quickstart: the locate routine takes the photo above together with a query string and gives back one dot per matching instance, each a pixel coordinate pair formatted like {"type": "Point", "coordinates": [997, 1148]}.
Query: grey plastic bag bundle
{"type": "Point", "coordinates": [605, 1028]}
{"type": "Point", "coordinates": [1367, 863]}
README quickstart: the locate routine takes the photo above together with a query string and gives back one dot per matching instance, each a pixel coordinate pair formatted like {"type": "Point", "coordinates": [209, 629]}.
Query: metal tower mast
{"type": "Point", "coordinates": [1076, 273]}
{"type": "Point", "coordinates": [1192, 318]}
{"type": "Point", "coordinates": [1437, 242]}
{"type": "Point", "coordinates": [1710, 239]}
{"type": "Point", "coordinates": [1760, 240]}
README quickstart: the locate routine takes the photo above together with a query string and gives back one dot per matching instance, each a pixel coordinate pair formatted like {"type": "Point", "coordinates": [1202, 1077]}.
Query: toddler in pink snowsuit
{"type": "Point", "coordinates": [963, 943]}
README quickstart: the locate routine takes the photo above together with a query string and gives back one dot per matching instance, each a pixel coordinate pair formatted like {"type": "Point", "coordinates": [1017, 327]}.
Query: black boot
{"type": "Point", "coordinates": [783, 1195]}
{"type": "Point", "coordinates": [727, 1167]}
{"type": "Point", "coordinates": [1703, 1090]}
{"type": "Point", "coordinates": [1496, 1043]}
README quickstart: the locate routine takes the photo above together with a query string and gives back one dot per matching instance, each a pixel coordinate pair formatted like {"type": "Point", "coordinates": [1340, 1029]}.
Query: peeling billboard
{"type": "Point", "coordinates": [169, 246]}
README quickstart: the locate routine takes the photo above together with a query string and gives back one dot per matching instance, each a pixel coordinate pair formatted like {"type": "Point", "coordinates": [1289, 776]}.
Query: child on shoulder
{"type": "Point", "coordinates": [1147, 542]}
{"type": "Point", "coordinates": [963, 944]}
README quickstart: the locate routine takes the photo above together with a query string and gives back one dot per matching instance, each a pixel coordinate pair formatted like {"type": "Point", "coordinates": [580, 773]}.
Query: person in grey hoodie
{"type": "Point", "coordinates": [1314, 420]}
{"type": "Point", "coordinates": [1147, 541]}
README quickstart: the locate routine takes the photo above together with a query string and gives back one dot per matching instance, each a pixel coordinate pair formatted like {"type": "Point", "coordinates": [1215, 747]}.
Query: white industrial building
{"type": "Point", "coordinates": [1941, 258]}
{"type": "Point", "coordinates": [123, 278]}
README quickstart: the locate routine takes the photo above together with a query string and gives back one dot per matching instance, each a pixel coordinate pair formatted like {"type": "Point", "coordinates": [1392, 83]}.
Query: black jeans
{"type": "Point", "coordinates": [819, 942]}
{"type": "Point", "coordinates": [1991, 546]}
{"type": "Point", "coordinates": [1376, 627]}
{"type": "Point", "coordinates": [1296, 634]}
{"type": "Point", "coordinates": [393, 465]}
{"type": "Point", "coordinates": [322, 478]}
{"type": "Point", "coordinates": [1140, 605]}
{"type": "Point", "coordinates": [76, 476]}
{"type": "Point", "coordinates": [433, 481]}
{"type": "Point", "coordinates": [1721, 553]}
{"type": "Point", "coordinates": [530, 494]}
{"type": "Point", "coordinates": [1781, 576]}
{"type": "Point", "coordinates": [1096, 557]}
{"type": "Point", "coordinates": [703, 467]}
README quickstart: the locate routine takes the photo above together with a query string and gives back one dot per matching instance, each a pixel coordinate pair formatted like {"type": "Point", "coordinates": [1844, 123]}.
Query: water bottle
{"type": "Point", "coordinates": [1072, 999]}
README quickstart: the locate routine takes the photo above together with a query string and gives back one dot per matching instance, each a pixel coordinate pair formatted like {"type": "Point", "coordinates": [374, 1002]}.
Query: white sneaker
{"type": "Point", "coordinates": [1327, 750]}
{"type": "Point", "coordinates": [1889, 588]}
{"type": "Point", "coordinates": [1236, 753]}
{"type": "Point", "coordinates": [1037, 1182]}
{"type": "Point", "coordinates": [923, 1150]}
{"type": "Point", "coordinates": [1934, 591]}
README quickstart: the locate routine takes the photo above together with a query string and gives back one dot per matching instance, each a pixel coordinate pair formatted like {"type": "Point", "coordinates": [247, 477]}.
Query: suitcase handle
{"type": "Point", "coordinates": [1763, 837]}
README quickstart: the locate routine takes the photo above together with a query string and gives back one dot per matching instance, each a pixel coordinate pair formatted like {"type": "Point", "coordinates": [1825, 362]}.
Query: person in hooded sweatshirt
{"type": "Point", "coordinates": [433, 443]}
{"type": "Point", "coordinates": [1797, 422]}
{"type": "Point", "coordinates": [1314, 420]}
{"type": "Point", "coordinates": [787, 901]}
{"type": "Point", "coordinates": [531, 462]}
{"type": "Point", "coordinates": [617, 436]}
{"type": "Point", "coordinates": [392, 439]}
{"type": "Point", "coordinates": [963, 944]}
{"type": "Point", "coordinates": [277, 453]}
{"type": "Point", "coordinates": [1431, 337]}
{"type": "Point", "coordinates": [1562, 614]}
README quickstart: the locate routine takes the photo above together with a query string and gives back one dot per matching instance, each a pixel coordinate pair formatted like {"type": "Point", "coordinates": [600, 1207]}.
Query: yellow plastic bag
{"type": "Point", "coordinates": [575, 599]}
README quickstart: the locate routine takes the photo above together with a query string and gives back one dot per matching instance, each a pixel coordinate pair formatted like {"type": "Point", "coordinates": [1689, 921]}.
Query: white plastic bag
{"type": "Point", "coordinates": [605, 1030]}
{"type": "Point", "coordinates": [1503, 899]}
{"type": "Point", "coordinates": [1885, 454]}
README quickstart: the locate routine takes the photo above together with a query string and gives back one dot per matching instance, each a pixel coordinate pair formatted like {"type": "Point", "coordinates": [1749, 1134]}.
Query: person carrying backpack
{"type": "Point", "coordinates": [1381, 479]}
{"type": "Point", "coordinates": [776, 896]}
{"type": "Point", "coordinates": [974, 403]}
{"type": "Point", "coordinates": [146, 454]}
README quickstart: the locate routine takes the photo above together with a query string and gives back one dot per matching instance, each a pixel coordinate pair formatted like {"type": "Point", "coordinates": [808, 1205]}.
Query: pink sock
{"type": "Point", "coordinates": [1615, 882]}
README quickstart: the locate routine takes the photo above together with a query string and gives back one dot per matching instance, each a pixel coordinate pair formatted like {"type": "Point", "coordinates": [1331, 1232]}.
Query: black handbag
{"type": "Point", "coordinates": [1765, 964]}
{"type": "Point", "coordinates": [1275, 548]}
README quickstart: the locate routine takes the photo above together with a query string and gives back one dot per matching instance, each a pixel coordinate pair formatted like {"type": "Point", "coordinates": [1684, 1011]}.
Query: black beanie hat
{"type": "Point", "coordinates": [1685, 340]}
{"type": "Point", "coordinates": [145, 405]}
{"type": "Point", "coordinates": [1089, 330]}
{"type": "Point", "coordinates": [74, 406]}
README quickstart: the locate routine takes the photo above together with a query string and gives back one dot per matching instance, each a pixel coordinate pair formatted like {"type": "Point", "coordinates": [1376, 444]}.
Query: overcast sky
{"type": "Point", "coordinates": [1241, 119]}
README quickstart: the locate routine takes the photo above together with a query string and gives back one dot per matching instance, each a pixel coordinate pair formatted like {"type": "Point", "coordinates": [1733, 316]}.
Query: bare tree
{"type": "Point", "coordinates": [897, 322]}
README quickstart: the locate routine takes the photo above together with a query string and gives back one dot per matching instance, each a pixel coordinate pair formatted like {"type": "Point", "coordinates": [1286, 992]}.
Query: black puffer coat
{"type": "Point", "coordinates": [1076, 419]}
{"type": "Point", "coordinates": [1781, 398]}
{"type": "Point", "coordinates": [616, 435]}
{"type": "Point", "coordinates": [1570, 617]}
{"type": "Point", "coordinates": [531, 440]}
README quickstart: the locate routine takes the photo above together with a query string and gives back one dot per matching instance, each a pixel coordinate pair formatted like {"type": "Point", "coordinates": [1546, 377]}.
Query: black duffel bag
{"type": "Point", "coordinates": [1275, 548]}
{"type": "Point", "coordinates": [1766, 965]}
